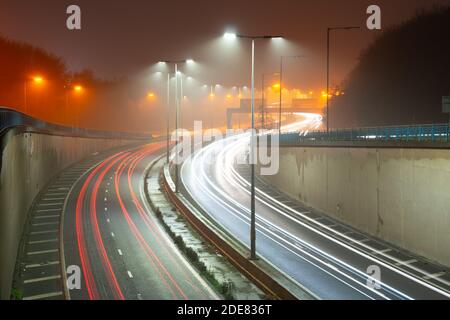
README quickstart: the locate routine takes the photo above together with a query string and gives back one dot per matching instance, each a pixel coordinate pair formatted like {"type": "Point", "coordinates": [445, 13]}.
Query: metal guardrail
{"type": "Point", "coordinates": [11, 118]}
{"type": "Point", "coordinates": [418, 133]}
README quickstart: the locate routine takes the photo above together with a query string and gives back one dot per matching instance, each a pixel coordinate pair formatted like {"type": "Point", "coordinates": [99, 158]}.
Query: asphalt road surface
{"type": "Point", "coordinates": [330, 260]}
{"type": "Point", "coordinates": [120, 249]}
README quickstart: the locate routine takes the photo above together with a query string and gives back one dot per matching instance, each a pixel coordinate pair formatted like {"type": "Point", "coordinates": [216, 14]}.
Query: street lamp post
{"type": "Point", "coordinates": [177, 111]}
{"type": "Point", "coordinates": [281, 87]}
{"type": "Point", "coordinates": [252, 142]}
{"type": "Point", "coordinates": [263, 115]}
{"type": "Point", "coordinates": [328, 67]}
{"type": "Point", "coordinates": [37, 80]}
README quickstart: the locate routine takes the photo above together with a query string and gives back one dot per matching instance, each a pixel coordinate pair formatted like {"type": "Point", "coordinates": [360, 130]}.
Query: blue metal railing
{"type": "Point", "coordinates": [10, 118]}
{"type": "Point", "coordinates": [417, 133]}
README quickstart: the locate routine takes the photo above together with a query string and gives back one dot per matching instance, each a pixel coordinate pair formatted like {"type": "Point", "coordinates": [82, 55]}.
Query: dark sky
{"type": "Point", "coordinates": [120, 38]}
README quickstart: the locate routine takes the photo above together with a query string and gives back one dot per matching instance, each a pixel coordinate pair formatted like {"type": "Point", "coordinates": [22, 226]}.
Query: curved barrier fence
{"type": "Point", "coordinates": [10, 118]}
{"type": "Point", "coordinates": [418, 133]}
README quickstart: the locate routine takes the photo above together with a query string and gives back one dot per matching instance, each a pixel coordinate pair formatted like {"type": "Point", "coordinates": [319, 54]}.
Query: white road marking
{"type": "Point", "coordinates": [43, 241]}
{"type": "Point", "coordinates": [44, 295]}
{"type": "Point", "coordinates": [50, 204]}
{"type": "Point", "coordinates": [120, 252]}
{"type": "Point", "coordinates": [52, 199]}
{"type": "Point", "coordinates": [381, 251]}
{"type": "Point", "coordinates": [42, 279]}
{"type": "Point", "coordinates": [47, 217]}
{"type": "Point", "coordinates": [48, 210]}
{"type": "Point", "coordinates": [402, 263]}
{"type": "Point", "coordinates": [112, 234]}
{"type": "Point", "coordinates": [106, 199]}
{"type": "Point", "coordinates": [107, 220]}
{"type": "Point", "coordinates": [42, 232]}
{"type": "Point", "coordinates": [37, 265]}
{"type": "Point", "coordinates": [42, 252]}
{"type": "Point", "coordinates": [130, 274]}
{"type": "Point", "coordinates": [44, 224]}
{"type": "Point", "coordinates": [106, 209]}
{"type": "Point", "coordinates": [434, 275]}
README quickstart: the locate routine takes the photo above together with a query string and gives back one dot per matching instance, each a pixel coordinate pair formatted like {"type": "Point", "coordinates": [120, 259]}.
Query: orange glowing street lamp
{"type": "Point", "coordinates": [38, 80]}
{"type": "Point", "coordinates": [78, 88]}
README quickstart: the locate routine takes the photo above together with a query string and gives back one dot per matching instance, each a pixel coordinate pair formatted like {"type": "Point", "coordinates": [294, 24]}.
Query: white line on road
{"type": "Point", "coordinates": [130, 274]}
{"type": "Point", "coordinates": [120, 252]}
{"type": "Point", "coordinates": [42, 232]}
{"type": "Point", "coordinates": [107, 220]}
{"type": "Point", "coordinates": [42, 252]}
{"type": "Point", "coordinates": [42, 279]}
{"type": "Point", "coordinates": [43, 241]}
{"type": "Point", "coordinates": [44, 295]}
{"type": "Point", "coordinates": [402, 263]}
{"type": "Point", "coordinates": [112, 234]}
{"type": "Point", "coordinates": [47, 217]}
{"type": "Point", "coordinates": [45, 264]}
{"type": "Point", "coordinates": [44, 224]}
{"type": "Point", "coordinates": [434, 275]}
{"type": "Point", "coordinates": [48, 210]}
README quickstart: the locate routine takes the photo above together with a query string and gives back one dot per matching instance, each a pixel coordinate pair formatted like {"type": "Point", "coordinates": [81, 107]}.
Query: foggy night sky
{"type": "Point", "coordinates": [120, 38]}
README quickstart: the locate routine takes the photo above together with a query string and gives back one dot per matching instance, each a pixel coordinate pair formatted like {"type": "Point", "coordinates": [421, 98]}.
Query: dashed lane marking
{"type": "Point", "coordinates": [50, 204]}
{"type": "Point", "coordinates": [48, 210]}
{"type": "Point", "coordinates": [434, 275]}
{"type": "Point", "coordinates": [43, 232]}
{"type": "Point", "coordinates": [42, 279]}
{"type": "Point", "coordinates": [44, 264]}
{"type": "Point", "coordinates": [44, 295]}
{"type": "Point", "coordinates": [130, 274]}
{"type": "Point", "coordinates": [403, 263]}
{"type": "Point", "coordinates": [43, 241]}
{"type": "Point", "coordinates": [47, 217]}
{"type": "Point", "coordinates": [41, 252]}
{"type": "Point", "coordinates": [44, 224]}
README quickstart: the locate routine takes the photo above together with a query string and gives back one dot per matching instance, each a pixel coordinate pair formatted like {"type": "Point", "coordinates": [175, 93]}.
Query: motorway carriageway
{"type": "Point", "coordinates": [329, 263]}
{"type": "Point", "coordinates": [109, 233]}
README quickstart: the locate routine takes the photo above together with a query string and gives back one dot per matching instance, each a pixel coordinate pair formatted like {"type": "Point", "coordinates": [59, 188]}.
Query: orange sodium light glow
{"type": "Point", "coordinates": [38, 79]}
{"type": "Point", "coordinates": [78, 88]}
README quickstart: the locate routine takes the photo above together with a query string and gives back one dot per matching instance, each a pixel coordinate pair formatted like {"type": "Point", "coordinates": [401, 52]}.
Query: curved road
{"type": "Point", "coordinates": [331, 264]}
{"type": "Point", "coordinates": [121, 250]}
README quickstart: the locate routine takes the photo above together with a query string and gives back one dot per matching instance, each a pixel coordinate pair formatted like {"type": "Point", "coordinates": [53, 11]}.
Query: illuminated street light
{"type": "Point", "coordinates": [38, 80]}
{"type": "Point", "coordinates": [231, 36]}
{"type": "Point", "coordinates": [177, 112]}
{"type": "Point", "coordinates": [78, 88]}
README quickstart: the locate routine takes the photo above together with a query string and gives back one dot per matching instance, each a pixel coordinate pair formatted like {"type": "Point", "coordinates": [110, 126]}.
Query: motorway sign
{"type": "Point", "coordinates": [446, 104]}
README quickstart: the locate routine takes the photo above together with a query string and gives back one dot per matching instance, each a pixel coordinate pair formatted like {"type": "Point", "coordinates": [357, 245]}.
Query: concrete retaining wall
{"type": "Point", "coordinates": [28, 162]}
{"type": "Point", "coordinates": [399, 195]}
